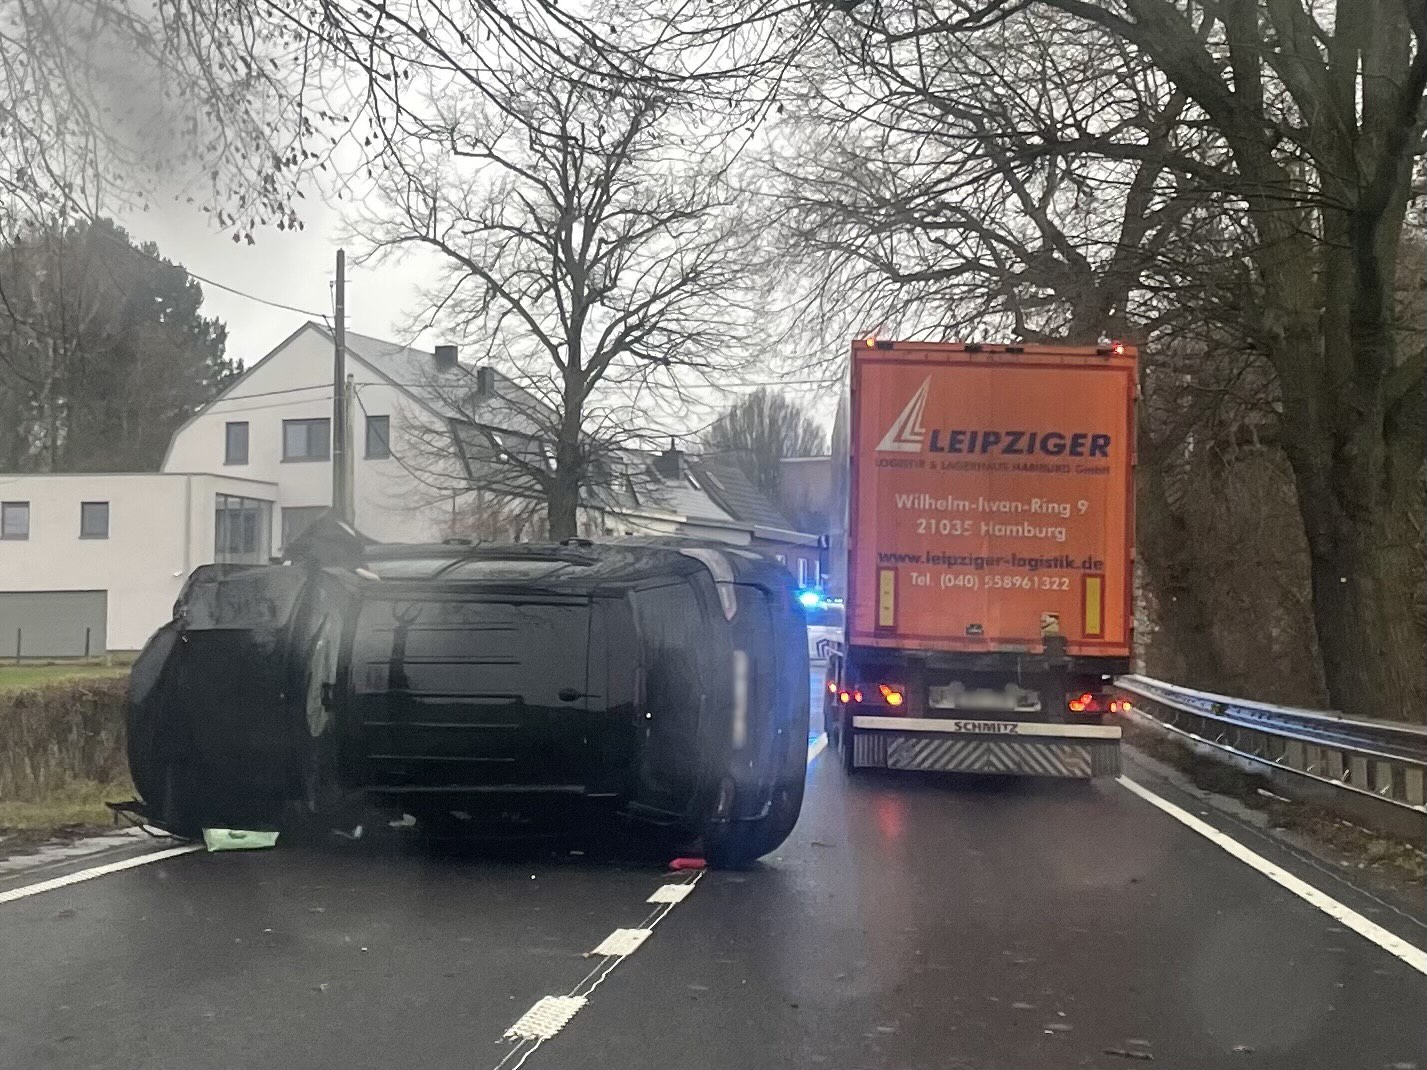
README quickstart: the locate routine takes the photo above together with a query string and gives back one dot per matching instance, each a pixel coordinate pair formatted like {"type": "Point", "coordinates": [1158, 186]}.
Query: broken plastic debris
{"type": "Point", "coordinates": [687, 863]}
{"type": "Point", "coordinates": [238, 839]}
{"type": "Point", "coordinates": [1126, 1053]}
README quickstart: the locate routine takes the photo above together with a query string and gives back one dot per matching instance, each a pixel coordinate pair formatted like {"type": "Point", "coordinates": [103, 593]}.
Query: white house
{"type": "Point", "coordinates": [93, 562]}
{"type": "Point", "coordinates": [274, 423]}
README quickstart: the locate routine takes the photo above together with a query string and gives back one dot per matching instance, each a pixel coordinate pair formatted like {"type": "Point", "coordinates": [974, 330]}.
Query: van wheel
{"type": "Point", "coordinates": [735, 845]}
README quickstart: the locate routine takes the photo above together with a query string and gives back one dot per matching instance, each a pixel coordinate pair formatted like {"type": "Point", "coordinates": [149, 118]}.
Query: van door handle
{"type": "Point", "coordinates": [569, 694]}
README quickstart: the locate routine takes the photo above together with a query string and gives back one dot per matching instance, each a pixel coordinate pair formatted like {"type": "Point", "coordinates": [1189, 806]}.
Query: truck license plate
{"type": "Point", "coordinates": [956, 696]}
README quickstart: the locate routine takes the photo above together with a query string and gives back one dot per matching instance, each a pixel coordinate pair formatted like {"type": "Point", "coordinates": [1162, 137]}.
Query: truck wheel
{"type": "Point", "coordinates": [845, 736]}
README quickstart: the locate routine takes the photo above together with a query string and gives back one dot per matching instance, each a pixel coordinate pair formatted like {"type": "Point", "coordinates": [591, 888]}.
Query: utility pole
{"type": "Point", "coordinates": [341, 438]}
{"type": "Point", "coordinates": [349, 475]}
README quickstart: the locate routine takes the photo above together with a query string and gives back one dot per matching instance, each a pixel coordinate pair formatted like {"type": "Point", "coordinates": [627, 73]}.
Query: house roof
{"type": "Point", "coordinates": [736, 494]}
{"type": "Point", "coordinates": [706, 490]}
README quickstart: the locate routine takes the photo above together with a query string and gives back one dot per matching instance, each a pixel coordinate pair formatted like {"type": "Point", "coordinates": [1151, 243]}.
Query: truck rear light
{"type": "Point", "coordinates": [892, 695]}
{"type": "Point", "coordinates": [844, 697]}
{"type": "Point", "coordinates": [1087, 702]}
{"type": "Point", "coordinates": [857, 696]}
{"type": "Point", "coordinates": [1119, 706]}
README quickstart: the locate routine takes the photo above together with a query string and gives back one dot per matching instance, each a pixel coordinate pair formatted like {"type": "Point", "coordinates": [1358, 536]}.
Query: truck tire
{"type": "Point", "coordinates": [845, 736]}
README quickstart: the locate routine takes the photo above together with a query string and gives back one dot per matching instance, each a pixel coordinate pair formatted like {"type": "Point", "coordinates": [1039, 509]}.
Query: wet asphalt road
{"type": "Point", "coordinates": [908, 923]}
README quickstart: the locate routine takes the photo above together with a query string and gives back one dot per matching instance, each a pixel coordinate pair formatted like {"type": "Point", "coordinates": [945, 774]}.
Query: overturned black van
{"type": "Point", "coordinates": [661, 680]}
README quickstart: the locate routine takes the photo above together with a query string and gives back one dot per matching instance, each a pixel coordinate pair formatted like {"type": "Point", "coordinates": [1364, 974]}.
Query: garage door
{"type": "Point", "coordinates": [52, 624]}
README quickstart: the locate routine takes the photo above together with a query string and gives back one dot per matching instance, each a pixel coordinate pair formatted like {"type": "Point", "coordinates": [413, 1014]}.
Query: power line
{"type": "Point", "coordinates": [207, 281]}
{"type": "Point", "coordinates": [275, 405]}
{"type": "Point", "coordinates": [270, 393]}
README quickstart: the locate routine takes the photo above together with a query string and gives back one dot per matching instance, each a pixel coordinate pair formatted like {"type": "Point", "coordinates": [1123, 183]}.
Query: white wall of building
{"type": "Point", "coordinates": [294, 383]}
{"type": "Point", "coordinates": [161, 527]}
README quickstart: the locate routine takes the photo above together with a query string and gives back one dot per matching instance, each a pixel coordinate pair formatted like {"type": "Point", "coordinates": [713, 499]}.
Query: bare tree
{"type": "Point", "coordinates": [1323, 123]}
{"type": "Point", "coordinates": [758, 431]}
{"type": "Point", "coordinates": [1257, 164]}
{"type": "Point", "coordinates": [587, 253]}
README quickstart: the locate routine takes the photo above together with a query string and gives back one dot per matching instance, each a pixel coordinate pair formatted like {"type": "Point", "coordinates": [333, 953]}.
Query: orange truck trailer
{"type": "Point", "coordinates": [990, 535]}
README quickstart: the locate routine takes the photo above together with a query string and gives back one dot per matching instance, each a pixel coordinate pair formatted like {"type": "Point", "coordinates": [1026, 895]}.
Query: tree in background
{"type": "Point", "coordinates": [588, 254]}
{"type": "Point", "coordinates": [759, 431]}
{"type": "Point", "coordinates": [103, 351]}
{"type": "Point", "coordinates": [1210, 181]}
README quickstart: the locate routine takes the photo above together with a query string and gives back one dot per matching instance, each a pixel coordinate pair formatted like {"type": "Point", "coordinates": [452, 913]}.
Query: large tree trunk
{"type": "Point", "coordinates": [1184, 651]}
{"type": "Point", "coordinates": [562, 512]}
{"type": "Point", "coordinates": [1364, 605]}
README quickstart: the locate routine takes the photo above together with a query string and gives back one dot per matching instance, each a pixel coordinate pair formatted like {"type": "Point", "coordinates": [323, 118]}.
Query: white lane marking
{"type": "Point", "coordinates": [817, 746]}
{"type": "Point", "coordinates": [1339, 912]}
{"type": "Point", "coordinates": [96, 871]}
{"type": "Point", "coordinates": [549, 1015]}
{"type": "Point", "coordinates": [533, 1029]}
{"type": "Point", "coordinates": [622, 942]}
{"type": "Point", "coordinates": [670, 893]}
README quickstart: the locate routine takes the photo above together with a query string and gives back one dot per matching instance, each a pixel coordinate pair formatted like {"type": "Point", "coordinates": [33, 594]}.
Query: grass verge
{"type": "Point", "coordinates": [62, 756]}
{"type": "Point", "coordinates": [19, 677]}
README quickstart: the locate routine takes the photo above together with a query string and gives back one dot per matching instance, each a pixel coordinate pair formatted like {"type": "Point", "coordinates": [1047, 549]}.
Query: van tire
{"type": "Point", "coordinates": [738, 844]}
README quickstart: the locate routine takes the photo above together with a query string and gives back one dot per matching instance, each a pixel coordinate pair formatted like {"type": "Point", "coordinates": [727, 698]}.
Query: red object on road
{"type": "Point", "coordinates": [687, 863]}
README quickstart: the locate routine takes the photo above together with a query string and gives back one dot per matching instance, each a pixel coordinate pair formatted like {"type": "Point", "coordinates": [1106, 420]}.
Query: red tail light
{"type": "Point", "coordinates": [892, 695]}
{"type": "Point", "coordinates": [844, 697]}
{"type": "Point", "coordinates": [1086, 702]}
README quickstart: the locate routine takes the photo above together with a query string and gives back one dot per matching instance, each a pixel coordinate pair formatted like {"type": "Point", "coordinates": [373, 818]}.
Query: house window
{"type": "Point", "coordinates": [802, 572]}
{"type": "Point", "coordinates": [297, 519]}
{"type": "Point", "coordinates": [306, 440]}
{"type": "Point", "coordinates": [235, 444]}
{"type": "Point", "coordinates": [378, 437]}
{"type": "Point", "coordinates": [93, 520]}
{"type": "Point", "coordinates": [14, 520]}
{"type": "Point", "coordinates": [242, 530]}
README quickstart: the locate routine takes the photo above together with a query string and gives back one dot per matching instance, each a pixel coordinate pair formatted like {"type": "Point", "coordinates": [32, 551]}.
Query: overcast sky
{"type": "Point", "coordinates": [297, 269]}
{"type": "Point", "coordinates": [289, 268]}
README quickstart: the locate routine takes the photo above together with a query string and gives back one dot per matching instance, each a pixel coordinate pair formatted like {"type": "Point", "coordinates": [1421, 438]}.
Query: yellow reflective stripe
{"type": "Point", "coordinates": [1094, 606]}
{"type": "Point", "coordinates": [886, 598]}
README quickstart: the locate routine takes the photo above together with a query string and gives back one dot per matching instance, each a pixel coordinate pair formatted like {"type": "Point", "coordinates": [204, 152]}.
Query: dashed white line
{"type": "Point", "coordinates": [96, 871]}
{"type": "Point", "coordinates": [622, 942]}
{"type": "Point", "coordinates": [1339, 912]}
{"type": "Point", "coordinates": [550, 1014]}
{"type": "Point", "coordinates": [817, 746]}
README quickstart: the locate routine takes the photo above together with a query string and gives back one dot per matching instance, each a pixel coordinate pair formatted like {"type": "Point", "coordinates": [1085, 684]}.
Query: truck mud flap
{"type": "Point", "coordinates": [986, 754]}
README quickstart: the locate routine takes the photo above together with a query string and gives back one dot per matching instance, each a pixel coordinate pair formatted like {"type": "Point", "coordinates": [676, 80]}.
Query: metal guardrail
{"type": "Point", "coordinates": [1373, 771]}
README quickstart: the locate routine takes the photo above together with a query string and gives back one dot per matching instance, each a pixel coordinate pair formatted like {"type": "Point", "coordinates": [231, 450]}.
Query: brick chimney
{"type": "Point", "coordinates": [485, 381]}
{"type": "Point", "coordinates": [445, 358]}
